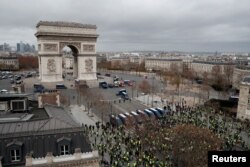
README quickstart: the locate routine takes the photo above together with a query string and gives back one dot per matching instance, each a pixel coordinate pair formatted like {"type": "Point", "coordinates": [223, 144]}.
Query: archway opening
{"type": "Point", "coordinates": [69, 62]}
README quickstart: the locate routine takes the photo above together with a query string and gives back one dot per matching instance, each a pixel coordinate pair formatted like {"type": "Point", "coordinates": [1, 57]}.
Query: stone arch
{"type": "Point", "coordinates": [52, 37]}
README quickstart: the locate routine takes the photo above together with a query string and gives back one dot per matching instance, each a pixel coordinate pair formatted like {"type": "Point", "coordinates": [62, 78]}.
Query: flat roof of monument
{"type": "Point", "coordinates": [65, 24]}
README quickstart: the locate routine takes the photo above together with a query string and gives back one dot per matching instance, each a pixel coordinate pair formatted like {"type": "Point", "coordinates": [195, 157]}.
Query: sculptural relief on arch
{"type": "Point", "coordinates": [52, 37]}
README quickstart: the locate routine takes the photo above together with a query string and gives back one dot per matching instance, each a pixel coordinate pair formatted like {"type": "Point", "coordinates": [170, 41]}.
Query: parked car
{"type": "Point", "coordinates": [3, 91]}
{"type": "Point", "coordinates": [38, 88]}
{"type": "Point", "coordinates": [12, 81]}
{"type": "Point", "coordinates": [60, 86]}
{"type": "Point", "coordinates": [19, 81]}
{"type": "Point", "coordinates": [110, 85]}
{"type": "Point", "coordinates": [107, 75]}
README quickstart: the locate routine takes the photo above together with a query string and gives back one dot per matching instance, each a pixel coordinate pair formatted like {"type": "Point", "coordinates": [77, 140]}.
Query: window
{"type": "Point", "coordinates": [64, 149]}
{"type": "Point", "coordinates": [15, 155]}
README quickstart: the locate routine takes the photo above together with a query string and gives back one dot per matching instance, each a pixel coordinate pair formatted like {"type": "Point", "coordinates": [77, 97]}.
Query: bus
{"type": "Point", "coordinates": [149, 113]}
{"type": "Point", "coordinates": [115, 121]}
{"type": "Point", "coordinates": [156, 113]}
{"type": "Point", "coordinates": [137, 117]}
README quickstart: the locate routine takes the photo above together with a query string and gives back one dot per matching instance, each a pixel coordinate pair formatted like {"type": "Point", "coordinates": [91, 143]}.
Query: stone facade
{"type": "Point", "coordinates": [9, 62]}
{"type": "Point", "coordinates": [52, 37]}
{"type": "Point", "coordinates": [243, 111]}
{"type": "Point", "coordinates": [161, 64]}
{"type": "Point", "coordinates": [197, 66]}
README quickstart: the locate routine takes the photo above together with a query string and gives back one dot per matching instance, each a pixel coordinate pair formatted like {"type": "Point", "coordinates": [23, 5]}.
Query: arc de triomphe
{"type": "Point", "coordinates": [52, 37]}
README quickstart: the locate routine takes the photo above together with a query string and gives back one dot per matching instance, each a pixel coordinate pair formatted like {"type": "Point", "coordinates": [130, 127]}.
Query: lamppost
{"type": "Point", "coordinates": [152, 88]}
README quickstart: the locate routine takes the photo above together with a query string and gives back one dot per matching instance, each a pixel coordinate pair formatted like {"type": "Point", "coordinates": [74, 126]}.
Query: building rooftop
{"type": "Point", "coordinates": [49, 118]}
{"type": "Point", "coordinates": [65, 24]}
{"type": "Point", "coordinates": [13, 95]}
{"type": "Point", "coordinates": [163, 59]}
{"type": "Point", "coordinates": [214, 62]}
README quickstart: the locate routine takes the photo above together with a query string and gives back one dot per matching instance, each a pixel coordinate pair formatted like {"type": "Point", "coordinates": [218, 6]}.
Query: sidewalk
{"type": "Point", "coordinates": [81, 116]}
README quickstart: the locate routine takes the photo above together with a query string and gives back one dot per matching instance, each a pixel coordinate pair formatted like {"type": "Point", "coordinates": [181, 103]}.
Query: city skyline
{"type": "Point", "coordinates": [138, 25]}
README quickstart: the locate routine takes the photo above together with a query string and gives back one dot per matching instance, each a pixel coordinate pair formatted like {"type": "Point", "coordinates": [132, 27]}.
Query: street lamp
{"type": "Point", "coordinates": [152, 92]}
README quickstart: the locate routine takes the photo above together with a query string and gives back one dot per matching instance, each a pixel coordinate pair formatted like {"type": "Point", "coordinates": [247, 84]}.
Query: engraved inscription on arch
{"type": "Point", "coordinates": [88, 48]}
{"type": "Point", "coordinates": [50, 47]}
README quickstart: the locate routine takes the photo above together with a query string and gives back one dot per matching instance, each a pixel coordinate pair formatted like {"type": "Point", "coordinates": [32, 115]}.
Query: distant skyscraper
{"type": "Point", "coordinates": [21, 47]}
{"type": "Point", "coordinates": [18, 47]}
{"type": "Point", "coordinates": [5, 47]}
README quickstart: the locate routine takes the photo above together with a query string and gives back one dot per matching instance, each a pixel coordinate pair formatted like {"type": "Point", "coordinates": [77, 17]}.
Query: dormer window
{"type": "Point", "coordinates": [14, 150]}
{"type": "Point", "coordinates": [64, 146]}
{"type": "Point", "coordinates": [15, 155]}
{"type": "Point", "coordinates": [64, 149]}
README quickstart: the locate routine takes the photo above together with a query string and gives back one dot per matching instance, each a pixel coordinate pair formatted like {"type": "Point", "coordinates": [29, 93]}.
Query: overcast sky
{"type": "Point", "coordinates": [125, 25]}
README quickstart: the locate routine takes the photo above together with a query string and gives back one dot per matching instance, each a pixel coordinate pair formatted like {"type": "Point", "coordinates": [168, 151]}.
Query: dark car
{"type": "Point", "coordinates": [110, 85]}
{"type": "Point", "coordinates": [119, 93]}
{"type": "Point", "coordinates": [124, 95]}
{"type": "Point", "coordinates": [107, 75]}
{"type": "Point", "coordinates": [199, 81]}
{"type": "Point", "coordinates": [38, 88]}
{"type": "Point", "coordinates": [60, 86]}
{"type": "Point", "coordinates": [103, 85]}
{"type": "Point", "coordinates": [28, 75]}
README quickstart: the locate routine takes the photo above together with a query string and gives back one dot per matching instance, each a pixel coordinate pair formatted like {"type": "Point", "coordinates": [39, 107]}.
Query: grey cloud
{"type": "Point", "coordinates": [193, 25]}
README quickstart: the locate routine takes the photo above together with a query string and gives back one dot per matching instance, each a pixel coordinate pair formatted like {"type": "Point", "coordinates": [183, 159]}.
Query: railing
{"type": "Point", "coordinates": [49, 159]}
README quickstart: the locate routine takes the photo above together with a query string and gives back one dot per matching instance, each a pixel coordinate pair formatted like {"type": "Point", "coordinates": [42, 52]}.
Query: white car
{"type": "Point", "coordinates": [3, 91]}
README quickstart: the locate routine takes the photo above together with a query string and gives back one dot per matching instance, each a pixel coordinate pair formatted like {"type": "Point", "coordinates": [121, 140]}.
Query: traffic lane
{"type": "Point", "coordinates": [118, 103]}
{"type": "Point", "coordinates": [157, 84]}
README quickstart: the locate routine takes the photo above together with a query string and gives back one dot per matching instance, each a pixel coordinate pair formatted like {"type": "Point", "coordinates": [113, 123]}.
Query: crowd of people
{"type": "Point", "coordinates": [120, 146]}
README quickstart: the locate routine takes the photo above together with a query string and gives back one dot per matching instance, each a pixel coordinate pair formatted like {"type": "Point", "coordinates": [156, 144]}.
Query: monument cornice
{"type": "Point", "coordinates": [87, 55]}
{"type": "Point", "coordinates": [38, 34]}
{"type": "Point", "coordinates": [65, 24]}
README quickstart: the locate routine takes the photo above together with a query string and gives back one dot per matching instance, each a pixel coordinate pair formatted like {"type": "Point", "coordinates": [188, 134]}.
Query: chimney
{"type": "Point", "coordinates": [52, 98]}
{"type": "Point", "coordinates": [49, 158]}
{"type": "Point", "coordinates": [28, 161]}
{"type": "Point", "coordinates": [77, 153]}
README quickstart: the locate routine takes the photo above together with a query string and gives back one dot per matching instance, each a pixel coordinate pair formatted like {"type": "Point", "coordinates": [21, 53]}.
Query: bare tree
{"type": "Point", "coordinates": [218, 79]}
{"type": "Point", "coordinates": [228, 71]}
{"type": "Point", "coordinates": [205, 85]}
{"type": "Point", "coordinates": [145, 86]}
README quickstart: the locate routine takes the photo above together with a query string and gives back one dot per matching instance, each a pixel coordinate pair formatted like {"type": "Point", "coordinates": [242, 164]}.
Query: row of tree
{"type": "Point", "coordinates": [118, 65]}
{"type": "Point", "coordinates": [28, 62]}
